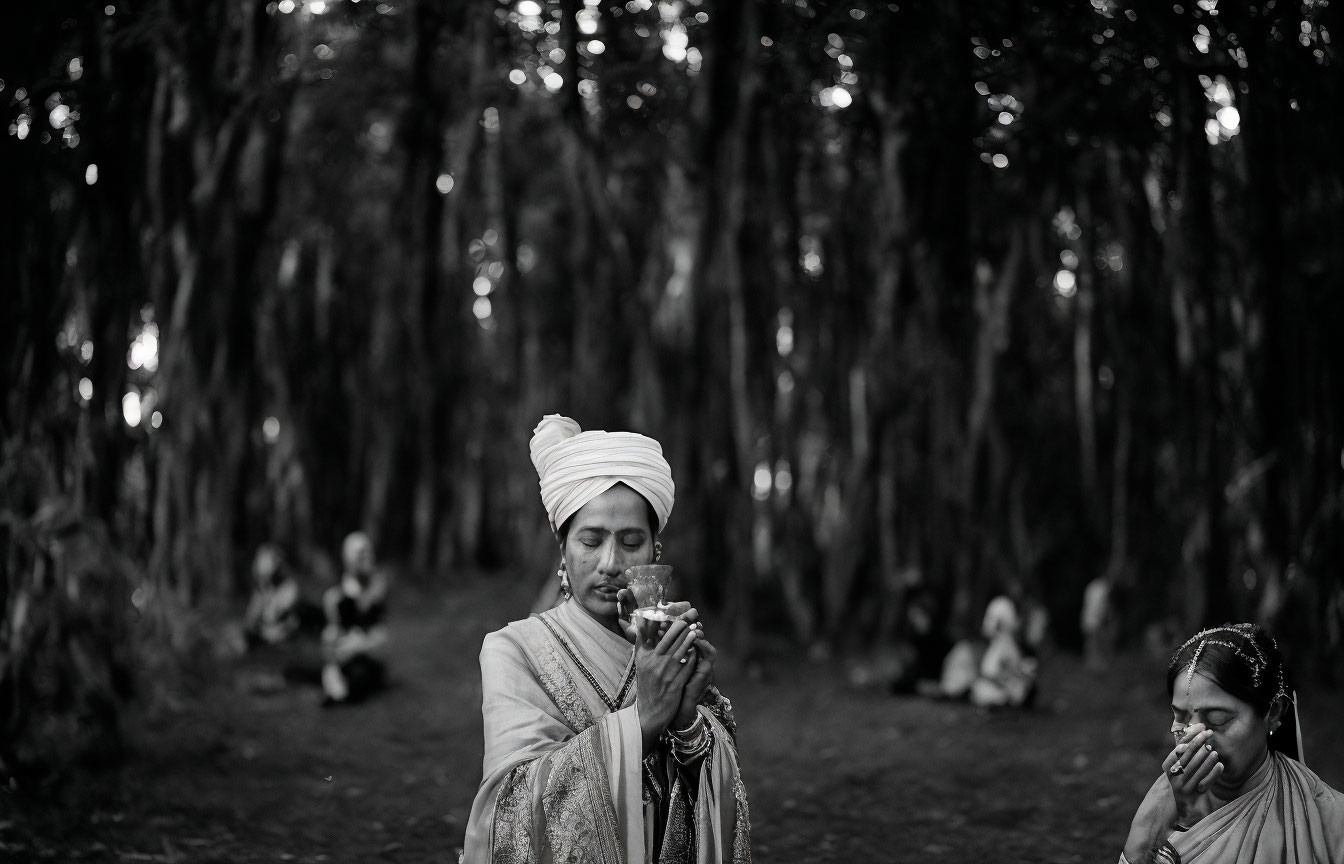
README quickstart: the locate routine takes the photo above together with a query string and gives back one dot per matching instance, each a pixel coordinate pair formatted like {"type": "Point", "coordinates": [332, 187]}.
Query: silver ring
{"type": "Point", "coordinates": [1178, 768]}
{"type": "Point", "coordinates": [683, 660]}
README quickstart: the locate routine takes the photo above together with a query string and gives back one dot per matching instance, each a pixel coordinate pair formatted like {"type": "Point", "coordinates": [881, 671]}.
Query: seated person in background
{"type": "Point", "coordinates": [355, 633]}
{"type": "Point", "coordinates": [961, 667]}
{"type": "Point", "coordinates": [1234, 788]}
{"type": "Point", "coordinates": [274, 610]}
{"type": "Point", "coordinates": [1007, 675]}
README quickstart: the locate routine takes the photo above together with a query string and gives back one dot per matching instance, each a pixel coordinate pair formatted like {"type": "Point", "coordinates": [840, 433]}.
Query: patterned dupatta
{"type": "Point", "coordinates": [564, 778]}
{"type": "Point", "coordinates": [1290, 815]}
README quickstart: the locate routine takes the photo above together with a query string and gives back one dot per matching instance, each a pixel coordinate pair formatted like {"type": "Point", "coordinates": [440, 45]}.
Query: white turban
{"type": "Point", "coordinates": [575, 467]}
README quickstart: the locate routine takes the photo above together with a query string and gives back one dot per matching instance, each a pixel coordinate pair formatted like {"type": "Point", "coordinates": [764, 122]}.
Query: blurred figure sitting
{"type": "Point", "coordinates": [275, 611]}
{"type": "Point", "coordinates": [961, 667]}
{"type": "Point", "coordinates": [924, 636]}
{"type": "Point", "coordinates": [355, 633]}
{"type": "Point", "coordinates": [1007, 675]}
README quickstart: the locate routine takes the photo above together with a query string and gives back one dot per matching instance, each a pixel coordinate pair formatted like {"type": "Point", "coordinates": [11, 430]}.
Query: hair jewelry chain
{"type": "Point", "coordinates": [1257, 664]}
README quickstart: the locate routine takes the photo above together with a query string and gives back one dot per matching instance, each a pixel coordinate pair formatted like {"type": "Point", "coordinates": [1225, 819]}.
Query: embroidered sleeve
{"type": "Point", "coordinates": [512, 830]}
{"type": "Point", "coordinates": [580, 824]}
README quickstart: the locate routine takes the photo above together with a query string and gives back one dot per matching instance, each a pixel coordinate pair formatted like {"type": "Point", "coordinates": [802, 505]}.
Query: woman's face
{"type": "Point", "coordinates": [607, 535]}
{"type": "Point", "coordinates": [1240, 733]}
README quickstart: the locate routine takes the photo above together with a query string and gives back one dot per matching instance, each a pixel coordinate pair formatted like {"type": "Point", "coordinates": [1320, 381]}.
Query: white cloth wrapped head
{"type": "Point", "coordinates": [574, 467]}
{"type": "Point", "coordinates": [1000, 617]}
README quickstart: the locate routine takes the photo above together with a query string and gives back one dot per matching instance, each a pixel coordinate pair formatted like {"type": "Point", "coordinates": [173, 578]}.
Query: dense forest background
{"type": "Point", "coordinates": [957, 296]}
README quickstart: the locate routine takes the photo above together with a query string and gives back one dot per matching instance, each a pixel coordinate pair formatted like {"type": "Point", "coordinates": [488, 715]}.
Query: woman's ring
{"type": "Point", "coordinates": [683, 660]}
{"type": "Point", "coordinates": [1178, 768]}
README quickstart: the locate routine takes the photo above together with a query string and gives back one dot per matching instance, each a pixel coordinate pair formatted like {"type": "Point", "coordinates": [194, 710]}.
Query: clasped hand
{"type": "Point", "coordinates": [674, 666]}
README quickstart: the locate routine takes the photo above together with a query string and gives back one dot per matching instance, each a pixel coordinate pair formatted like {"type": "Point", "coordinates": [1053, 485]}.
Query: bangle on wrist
{"type": "Point", "coordinates": [690, 743]}
{"type": "Point", "coordinates": [691, 729]}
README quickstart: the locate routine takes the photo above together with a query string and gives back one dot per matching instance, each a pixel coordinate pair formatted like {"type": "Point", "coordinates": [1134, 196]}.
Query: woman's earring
{"type": "Point", "coordinates": [657, 550]}
{"type": "Point", "coordinates": [564, 579]}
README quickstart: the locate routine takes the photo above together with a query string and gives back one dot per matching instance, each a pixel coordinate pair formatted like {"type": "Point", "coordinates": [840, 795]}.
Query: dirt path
{"type": "Point", "coordinates": [834, 774]}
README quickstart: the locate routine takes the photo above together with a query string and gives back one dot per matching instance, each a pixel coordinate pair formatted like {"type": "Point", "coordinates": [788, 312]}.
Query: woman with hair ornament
{"type": "Point", "coordinates": [1234, 788]}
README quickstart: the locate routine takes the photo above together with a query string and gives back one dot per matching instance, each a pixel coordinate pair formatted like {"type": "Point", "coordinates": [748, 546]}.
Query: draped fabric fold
{"type": "Point", "coordinates": [565, 777]}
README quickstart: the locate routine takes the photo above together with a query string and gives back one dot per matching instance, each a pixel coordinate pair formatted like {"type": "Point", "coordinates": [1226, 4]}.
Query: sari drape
{"type": "Point", "coordinates": [564, 773]}
{"type": "Point", "coordinates": [1288, 815]}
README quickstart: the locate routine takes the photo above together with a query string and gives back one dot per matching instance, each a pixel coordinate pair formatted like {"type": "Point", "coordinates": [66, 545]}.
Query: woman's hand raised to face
{"type": "Point", "coordinates": [1192, 767]}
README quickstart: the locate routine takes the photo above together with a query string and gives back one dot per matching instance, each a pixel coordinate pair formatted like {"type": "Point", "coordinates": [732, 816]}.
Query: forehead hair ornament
{"type": "Point", "coordinates": [1258, 664]}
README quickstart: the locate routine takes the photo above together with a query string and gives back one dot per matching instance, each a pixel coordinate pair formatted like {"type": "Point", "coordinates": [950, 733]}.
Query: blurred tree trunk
{"type": "Point", "coordinates": [212, 165]}
{"type": "Point", "coordinates": [734, 82]}
{"type": "Point", "coordinates": [1084, 373]}
{"type": "Point", "coordinates": [422, 122]}
{"type": "Point", "coordinates": [1200, 235]}
{"type": "Point", "coordinates": [466, 140]}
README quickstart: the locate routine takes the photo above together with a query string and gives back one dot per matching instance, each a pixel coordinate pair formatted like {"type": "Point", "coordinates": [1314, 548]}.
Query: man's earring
{"type": "Point", "coordinates": [564, 579]}
{"type": "Point", "coordinates": [657, 550]}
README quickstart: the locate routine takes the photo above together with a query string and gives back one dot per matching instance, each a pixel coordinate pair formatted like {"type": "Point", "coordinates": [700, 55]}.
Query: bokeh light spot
{"type": "Point", "coordinates": [761, 482]}
{"type": "Point", "coordinates": [130, 408]}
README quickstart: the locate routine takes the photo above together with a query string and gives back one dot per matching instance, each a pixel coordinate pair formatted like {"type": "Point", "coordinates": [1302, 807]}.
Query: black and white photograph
{"type": "Point", "coordinates": [671, 431]}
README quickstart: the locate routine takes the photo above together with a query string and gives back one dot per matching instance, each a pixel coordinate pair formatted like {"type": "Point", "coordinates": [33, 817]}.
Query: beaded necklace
{"type": "Point", "coordinates": [612, 704]}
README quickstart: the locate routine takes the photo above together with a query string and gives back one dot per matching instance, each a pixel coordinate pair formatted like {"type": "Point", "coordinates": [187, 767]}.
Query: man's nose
{"type": "Point", "coordinates": [609, 562]}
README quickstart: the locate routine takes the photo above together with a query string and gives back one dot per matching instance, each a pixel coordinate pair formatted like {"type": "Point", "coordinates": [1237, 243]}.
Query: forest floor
{"type": "Point", "coordinates": [234, 772]}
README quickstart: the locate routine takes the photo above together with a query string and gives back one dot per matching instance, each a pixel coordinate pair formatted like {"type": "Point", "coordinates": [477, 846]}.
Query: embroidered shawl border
{"type": "Point", "coordinates": [553, 671]}
{"type": "Point", "coordinates": [580, 815]}
{"type": "Point", "coordinates": [511, 833]}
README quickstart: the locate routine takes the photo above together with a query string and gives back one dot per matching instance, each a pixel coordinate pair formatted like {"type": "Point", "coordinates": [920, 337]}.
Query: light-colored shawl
{"type": "Point", "coordinates": [565, 777]}
{"type": "Point", "coordinates": [1289, 815]}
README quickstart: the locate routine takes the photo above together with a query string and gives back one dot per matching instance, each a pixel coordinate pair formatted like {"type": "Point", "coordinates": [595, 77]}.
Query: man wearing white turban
{"type": "Point", "coordinates": [605, 740]}
{"type": "Point", "coordinates": [574, 467]}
